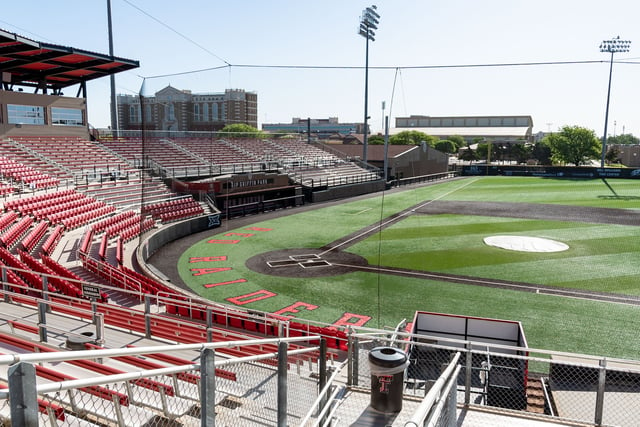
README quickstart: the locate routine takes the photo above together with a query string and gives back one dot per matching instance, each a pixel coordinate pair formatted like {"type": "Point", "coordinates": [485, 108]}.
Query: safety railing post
{"type": "Point", "coordinates": [467, 379]}
{"type": "Point", "coordinates": [602, 377]}
{"type": "Point", "coordinates": [322, 367]}
{"type": "Point", "coordinates": [282, 384]}
{"type": "Point", "coordinates": [5, 285]}
{"type": "Point", "coordinates": [23, 397]}
{"type": "Point", "coordinates": [207, 388]}
{"type": "Point", "coordinates": [98, 320]}
{"type": "Point", "coordinates": [42, 321]}
{"type": "Point", "coordinates": [45, 289]}
{"type": "Point", "coordinates": [147, 316]}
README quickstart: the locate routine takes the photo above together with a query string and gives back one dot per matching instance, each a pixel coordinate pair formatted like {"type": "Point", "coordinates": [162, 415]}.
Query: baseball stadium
{"type": "Point", "coordinates": [162, 279]}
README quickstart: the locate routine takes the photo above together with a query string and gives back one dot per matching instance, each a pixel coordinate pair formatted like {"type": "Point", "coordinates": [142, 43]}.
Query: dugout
{"type": "Point", "coordinates": [499, 376]}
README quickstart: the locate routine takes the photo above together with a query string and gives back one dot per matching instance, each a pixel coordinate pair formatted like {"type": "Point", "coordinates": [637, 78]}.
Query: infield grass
{"type": "Point", "coordinates": [601, 257]}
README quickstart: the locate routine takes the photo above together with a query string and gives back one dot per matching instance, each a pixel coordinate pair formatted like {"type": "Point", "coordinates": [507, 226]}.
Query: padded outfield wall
{"type": "Point", "coordinates": [550, 171]}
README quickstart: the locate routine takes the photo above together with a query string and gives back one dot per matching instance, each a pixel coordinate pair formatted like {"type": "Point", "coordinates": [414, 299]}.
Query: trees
{"type": "Point", "coordinates": [520, 152]}
{"type": "Point", "coordinates": [468, 155]}
{"type": "Point", "coordinates": [446, 146]}
{"type": "Point", "coordinates": [542, 153]}
{"type": "Point", "coordinates": [241, 130]}
{"type": "Point", "coordinates": [612, 155]}
{"type": "Point", "coordinates": [482, 151]}
{"type": "Point", "coordinates": [412, 137]}
{"type": "Point", "coordinates": [574, 144]}
{"type": "Point", "coordinates": [376, 140]}
{"type": "Point", "coordinates": [625, 138]}
{"type": "Point", "coordinates": [458, 141]}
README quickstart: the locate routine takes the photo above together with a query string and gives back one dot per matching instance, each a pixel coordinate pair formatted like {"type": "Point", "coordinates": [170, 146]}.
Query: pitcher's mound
{"type": "Point", "coordinates": [525, 244]}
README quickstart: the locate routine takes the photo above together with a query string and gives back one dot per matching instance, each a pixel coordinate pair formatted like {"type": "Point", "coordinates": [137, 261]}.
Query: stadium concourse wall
{"type": "Point", "coordinates": [346, 191]}
{"type": "Point", "coordinates": [199, 309]}
{"type": "Point", "coordinates": [172, 232]}
{"type": "Point", "coordinates": [550, 171]}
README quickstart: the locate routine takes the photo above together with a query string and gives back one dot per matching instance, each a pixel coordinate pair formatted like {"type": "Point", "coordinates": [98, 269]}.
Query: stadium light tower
{"type": "Point", "coordinates": [611, 46]}
{"type": "Point", "coordinates": [112, 77]}
{"type": "Point", "coordinates": [368, 23]}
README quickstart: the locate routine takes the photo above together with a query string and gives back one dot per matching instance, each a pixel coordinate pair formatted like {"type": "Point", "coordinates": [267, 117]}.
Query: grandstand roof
{"type": "Point", "coordinates": [26, 62]}
{"type": "Point", "coordinates": [491, 132]}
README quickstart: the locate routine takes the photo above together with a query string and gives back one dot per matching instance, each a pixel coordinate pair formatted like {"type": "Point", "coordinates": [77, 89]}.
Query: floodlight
{"type": "Point", "coordinates": [612, 46]}
{"type": "Point", "coordinates": [368, 23]}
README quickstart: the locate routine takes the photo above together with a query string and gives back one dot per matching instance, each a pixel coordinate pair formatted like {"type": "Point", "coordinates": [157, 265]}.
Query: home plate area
{"type": "Point", "coordinates": [305, 262]}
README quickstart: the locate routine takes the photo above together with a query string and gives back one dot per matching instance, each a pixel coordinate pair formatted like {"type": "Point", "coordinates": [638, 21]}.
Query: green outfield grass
{"type": "Point", "coordinates": [601, 257]}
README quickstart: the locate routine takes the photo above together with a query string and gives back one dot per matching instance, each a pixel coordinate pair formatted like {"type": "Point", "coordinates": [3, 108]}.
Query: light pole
{"type": "Point", "coordinates": [368, 23]}
{"type": "Point", "coordinates": [112, 77]}
{"type": "Point", "coordinates": [612, 46]}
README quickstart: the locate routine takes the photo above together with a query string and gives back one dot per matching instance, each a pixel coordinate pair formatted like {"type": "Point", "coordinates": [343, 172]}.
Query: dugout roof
{"type": "Point", "coordinates": [25, 62]}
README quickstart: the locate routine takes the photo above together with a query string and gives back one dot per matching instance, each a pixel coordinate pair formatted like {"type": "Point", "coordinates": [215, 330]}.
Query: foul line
{"type": "Point", "coordinates": [538, 289]}
{"type": "Point", "coordinates": [362, 211]}
{"type": "Point", "coordinates": [376, 227]}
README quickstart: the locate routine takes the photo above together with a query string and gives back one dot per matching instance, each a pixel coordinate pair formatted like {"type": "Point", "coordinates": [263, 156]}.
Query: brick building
{"type": "Point", "coordinates": [176, 110]}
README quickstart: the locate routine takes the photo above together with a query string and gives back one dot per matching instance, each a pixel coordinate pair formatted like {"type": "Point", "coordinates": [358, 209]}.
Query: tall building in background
{"type": "Point", "coordinates": [176, 110]}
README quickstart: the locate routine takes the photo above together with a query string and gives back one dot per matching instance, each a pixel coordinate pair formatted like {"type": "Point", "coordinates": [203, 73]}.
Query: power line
{"type": "Point", "coordinates": [175, 31]}
{"type": "Point", "coordinates": [26, 31]}
{"type": "Point", "coordinates": [182, 73]}
{"type": "Point", "coordinates": [409, 67]}
{"type": "Point", "coordinates": [394, 67]}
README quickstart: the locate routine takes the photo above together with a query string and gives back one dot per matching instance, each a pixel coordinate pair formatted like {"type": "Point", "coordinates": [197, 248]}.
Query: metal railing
{"type": "Point", "coordinates": [150, 397]}
{"type": "Point", "coordinates": [424, 178]}
{"type": "Point", "coordinates": [438, 408]}
{"type": "Point", "coordinates": [557, 386]}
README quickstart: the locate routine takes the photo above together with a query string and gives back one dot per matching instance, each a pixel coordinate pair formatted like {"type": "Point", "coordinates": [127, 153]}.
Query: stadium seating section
{"type": "Point", "coordinates": [52, 186]}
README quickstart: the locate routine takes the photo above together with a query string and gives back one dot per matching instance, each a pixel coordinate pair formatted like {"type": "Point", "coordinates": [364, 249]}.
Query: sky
{"type": "Point", "coordinates": [306, 59]}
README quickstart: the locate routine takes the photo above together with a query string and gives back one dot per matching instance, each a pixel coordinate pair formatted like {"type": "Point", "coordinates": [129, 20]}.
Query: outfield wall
{"type": "Point", "coordinates": [550, 171]}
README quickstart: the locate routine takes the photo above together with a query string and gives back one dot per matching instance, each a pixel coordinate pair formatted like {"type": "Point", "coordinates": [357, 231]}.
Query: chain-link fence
{"type": "Point", "coordinates": [441, 384]}
{"type": "Point", "coordinates": [63, 388]}
{"type": "Point", "coordinates": [508, 380]}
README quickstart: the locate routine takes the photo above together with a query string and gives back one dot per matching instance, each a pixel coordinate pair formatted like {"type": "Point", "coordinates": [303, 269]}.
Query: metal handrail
{"type": "Point", "coordinates": [434, 394]}
{"type": "Point", "coordinates": [456, 344]}
{"type": "Point", "coordinates": [321, 395]}
{"type": "Point", "coordinates": [57, 356]}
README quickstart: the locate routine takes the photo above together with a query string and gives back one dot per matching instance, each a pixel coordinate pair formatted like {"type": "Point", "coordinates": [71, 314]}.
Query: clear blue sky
{"type": "Point", "coordinates": [324, 33]}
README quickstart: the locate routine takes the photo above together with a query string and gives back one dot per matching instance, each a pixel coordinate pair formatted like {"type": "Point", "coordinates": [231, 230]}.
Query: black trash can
{"type": "Point", "coordinates": [387, 365]}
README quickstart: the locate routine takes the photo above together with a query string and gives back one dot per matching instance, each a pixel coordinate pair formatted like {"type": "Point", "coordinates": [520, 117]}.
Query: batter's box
{"type": "Point", "coordinates": [304, 257]}
{"type": "Point", "coordinates": [312, 264]}
{"type": "Point", "coordinates": [283, 263]}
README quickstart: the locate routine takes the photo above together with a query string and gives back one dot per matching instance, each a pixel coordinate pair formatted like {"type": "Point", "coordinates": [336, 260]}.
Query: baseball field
{"type": "Point", "coordinates": [374, 261]}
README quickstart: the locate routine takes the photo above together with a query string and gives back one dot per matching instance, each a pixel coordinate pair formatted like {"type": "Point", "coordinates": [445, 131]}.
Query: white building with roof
{"type": "Point", "coordinates": [493, 128]}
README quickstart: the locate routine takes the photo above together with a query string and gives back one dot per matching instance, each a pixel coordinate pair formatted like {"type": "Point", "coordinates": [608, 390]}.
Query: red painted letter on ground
{"type": "Point", "coordinates": [293, 308]}
{"type": "Point", "coordinates": [350, 319]}
{"type": "Point", "coordinates": [207, 258]}
{"type": "Point", "coordinates": [239, 234]}
{"type": "Point", "coordinates": [202, 271]}
{"type": "Point", "coordinates": [252, 297]}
